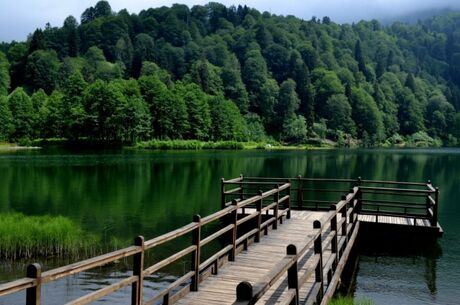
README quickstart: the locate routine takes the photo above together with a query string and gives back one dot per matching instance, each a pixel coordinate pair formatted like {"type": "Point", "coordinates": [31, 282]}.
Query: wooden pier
{"type": "Point", "coordinates": [281, 241]}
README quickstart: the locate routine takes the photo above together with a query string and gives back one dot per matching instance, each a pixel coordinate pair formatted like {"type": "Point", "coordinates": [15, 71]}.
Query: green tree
{"type": "Point", "coordinates": [388, 109]}
{"type": "Point", "coordinates": [124, 53]}
{"type": "Point", "coordinates": [439, 115]}
{"type": "Point", "coordinates": [169, 113]}
{"type": "Point", "coordinates": [305, 90]}
{"type": "Point", "coordinates": [22, 111]}
{"type": "Point", "coordinates": [366, 115]}
{"type": "Point", "coordinates": [227, 122]}
{"type": "Point", "coordinates": [42, 70]}
{"type": "Point", "coordinates": [151, 68]}
{"type": "Point", "coordinates": [100, 101]}
{"type": "Point", "coordinates": [268, 100]}
{"type": "Point", "coordinates": [132, 114]}
{"type": "Point", "coordinates": [17, 56]}
{"type": "Point", "coordinates": [410, 82]}
{"type": "Point", "coordinates": [277, 58]}
{"type": "Point", "coordinates": [294, 129]}
{"type": "Point", "coordinates": [338, 114]}
{"type": "Point", "coordinates": [72, 42]}
{"type": "Point", "coordinates": [255, 76]}
{"type": "Point", "coordinates": [288, 101]}
{"type": "Point", "coordinates": [456, 126]}
{"type": "Point", "coordinates": [74, 115]}
{"type": "Point", "coordinates": [255, 130]}
{"type": "Point", "coordinates": [96, 66]}
{"type": "Point", "coordinates": [199, 115]}
{"type": "Point", "coordinates": [39, 98]}
{"type": "Point", "coordinates": [207, 76]}
{"type": "Point", "coordinates": [4, 74]}
{"type": "Point", "coordinates": [37, 41]}
{"type": "Point", "coordinates": [233, 86]}
{"type": "Point", "coordinates": [327, 84]}
{"type": "Point", "coordinates": [6, 120]}
{"type": "Point", "coordinates": [102, 9]}
{"type": "Point", "coordinates": [410, 114]}
{"type": "Point", "coordinates": [50, 116]}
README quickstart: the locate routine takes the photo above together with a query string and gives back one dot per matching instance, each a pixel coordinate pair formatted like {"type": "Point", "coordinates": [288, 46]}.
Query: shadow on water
{"type": "Point", "coordinates": [388, 263]}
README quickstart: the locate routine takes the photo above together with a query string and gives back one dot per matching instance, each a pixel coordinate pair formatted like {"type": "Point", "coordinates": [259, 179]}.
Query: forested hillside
{"type": "Point", "coordinates": [232, 73]}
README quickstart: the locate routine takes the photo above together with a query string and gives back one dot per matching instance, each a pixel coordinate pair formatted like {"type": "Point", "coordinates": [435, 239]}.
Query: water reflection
{"type": "Point", "coordinates": [123, 194]}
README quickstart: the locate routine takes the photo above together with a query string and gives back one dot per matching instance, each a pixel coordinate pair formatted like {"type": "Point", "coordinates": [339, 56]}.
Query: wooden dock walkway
{"type": "Point", "coordinates": [256, 263]}
{"type": "Point", "coordinates": [280, 241]}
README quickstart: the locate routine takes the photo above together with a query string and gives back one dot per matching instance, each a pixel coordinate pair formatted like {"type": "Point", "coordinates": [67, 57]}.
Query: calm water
{"type": "Point", "coordinates": [127, 193]}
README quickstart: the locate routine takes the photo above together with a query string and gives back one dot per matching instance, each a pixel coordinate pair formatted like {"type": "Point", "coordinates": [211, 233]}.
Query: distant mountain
{"type": "Point", "coordinates": [414, 17]}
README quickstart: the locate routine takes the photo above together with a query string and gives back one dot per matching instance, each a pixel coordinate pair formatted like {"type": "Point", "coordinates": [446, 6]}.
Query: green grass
{"type": "Point", "coordinates": [349, 301]}
{"type": "Point", "coordinates": [31, 236]}
{"type": "Point", "coordinates": [4, 145]}
{"type": "Point", "coordinates": [233, 145]}
{"type": "Point", "coordinates": [189, 145]}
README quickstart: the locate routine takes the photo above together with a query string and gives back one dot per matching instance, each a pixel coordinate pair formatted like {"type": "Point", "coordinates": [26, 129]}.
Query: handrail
{"type": "Point", "coordinates": [32, 283]}
{"type": "Point", "coordinates": [246, 293]}
{"type": "Point", "coordinates": [390, 189]}
{"type": "Point", "coordinates": [338, 227]}
{"type": "Point", "coordinates": [55, 274]}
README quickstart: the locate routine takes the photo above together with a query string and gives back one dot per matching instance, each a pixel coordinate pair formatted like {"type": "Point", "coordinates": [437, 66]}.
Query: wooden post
{"type": "Point", "coordinates": [275, 212]}
{"type": "Point", "coordinates": [288, 201]}
{"type": "Point", "coordinates": [353, 205]}
{"type": "Point", "coordinates": [242, 187]}
{"type": "Point", "coordinates": [138, 270]}
{"type": "Point", "coordinates": [222, 193]}
{"type": "Point", "coordinates": [244, 291]}
{"type": "Point", "coordinates": [434, 221]}
{"type": "Point", "coordinates": [428, 202]}
{"type": "Point", "coordinates": [319, 268]}
{"type": "Point", "coordinates": [359, 195]}
{"type": "Point", "coordinates": [234, 231]}
{"type": "Point", "coordinates": [299, 192]}
{"type": "Point", "coordinates": [345, 222]}
{"type": "Point", "coordinates": [196, 237]}
{"type": "Point", "coordinates": [259, 217]}
{"type": "Point", "coordinates": [293, 277]}
{"type": "Point", "coordinates": [334, 242]}
{"type": "Point", "coordinates": [33, 294]}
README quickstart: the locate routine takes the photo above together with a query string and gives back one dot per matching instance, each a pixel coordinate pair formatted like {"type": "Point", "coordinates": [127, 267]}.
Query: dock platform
{"type": "Point", "coordinates": [280, 241]}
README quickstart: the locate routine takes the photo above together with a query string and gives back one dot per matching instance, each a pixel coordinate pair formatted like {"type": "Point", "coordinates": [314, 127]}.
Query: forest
{"type": "Point", "coordinates": [217, 73]}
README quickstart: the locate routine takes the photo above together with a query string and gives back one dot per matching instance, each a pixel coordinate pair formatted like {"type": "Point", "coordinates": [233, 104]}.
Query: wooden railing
{"type": "Point", "coordinates": [401, 199]}
{"type": "Point", "coordinates": [375, 197]}
{"type": "Point", "coordinates": [263, 202]}
{"type": "Point", "coordinates": [336, 231]}
{"type": "Point", "coordinates": [276, 199]}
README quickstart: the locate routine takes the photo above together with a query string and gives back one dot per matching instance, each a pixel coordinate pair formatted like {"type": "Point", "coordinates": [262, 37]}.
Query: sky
{"type": "Point", "coordinates": [20, 17]}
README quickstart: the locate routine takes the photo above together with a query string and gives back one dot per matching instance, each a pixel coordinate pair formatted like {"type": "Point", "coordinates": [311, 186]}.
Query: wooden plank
{"type": "Point", "coordinates": [254, 264]}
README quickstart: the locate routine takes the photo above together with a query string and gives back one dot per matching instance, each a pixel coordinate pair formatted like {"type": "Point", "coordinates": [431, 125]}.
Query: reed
{"type": "Point", "coordinates": [31, 236]}
{"type": "Point", "coordinates": [189, 145]}
{"type": "Point", "coordinates": [347, 300]}
{"type": "Point", "coordinates": [224, 145]}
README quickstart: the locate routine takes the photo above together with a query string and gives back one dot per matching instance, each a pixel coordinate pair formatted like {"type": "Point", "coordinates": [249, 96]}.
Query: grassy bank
{"type": "Point", "coordinates": [232, 145]}
{"type": "Point", "coordinates": [349, 301]}
{"type": "Point", "coordinates": [11, 146]}
{"type": "Point", "coordinates": [31, 236]}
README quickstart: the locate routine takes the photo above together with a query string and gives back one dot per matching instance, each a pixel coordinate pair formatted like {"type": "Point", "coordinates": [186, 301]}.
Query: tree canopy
{"type": "Point", "coordinates": [212, 72]}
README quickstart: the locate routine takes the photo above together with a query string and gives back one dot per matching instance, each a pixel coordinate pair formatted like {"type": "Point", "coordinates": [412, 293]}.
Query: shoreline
{"type": "Point", "coordinates": [177, 145]}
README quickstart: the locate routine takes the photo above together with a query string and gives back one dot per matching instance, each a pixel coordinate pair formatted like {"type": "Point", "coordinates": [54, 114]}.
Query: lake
{"type": "Point", "coordinates": [124, 193]}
